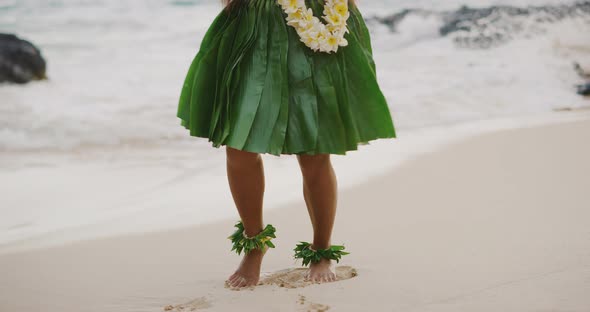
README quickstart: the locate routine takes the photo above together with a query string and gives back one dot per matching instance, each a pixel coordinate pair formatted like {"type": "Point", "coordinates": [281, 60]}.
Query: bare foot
{"type": "Point", "coordinates": [248, 272]}
{"type": "Point", "coordinates": [321, 272]}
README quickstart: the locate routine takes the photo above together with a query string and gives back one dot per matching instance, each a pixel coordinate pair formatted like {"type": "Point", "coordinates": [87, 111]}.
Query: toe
{"type": "Point", "coordinates": [234, 279]}
{"type": "Point", "coordinates": [237, 281]}
{"type": "Point", "coordinates": [243, 283]}
{"type": "Point", "coordinates": [330, 277]}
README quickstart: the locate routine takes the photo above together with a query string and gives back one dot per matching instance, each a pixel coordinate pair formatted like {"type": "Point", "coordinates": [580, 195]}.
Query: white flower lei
{"type": "Point", "coordinates": [313, 33]}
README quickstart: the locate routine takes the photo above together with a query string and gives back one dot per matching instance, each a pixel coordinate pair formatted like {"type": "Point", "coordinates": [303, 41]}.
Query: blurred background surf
{"type": "Point", "coordinates": [116, 67]}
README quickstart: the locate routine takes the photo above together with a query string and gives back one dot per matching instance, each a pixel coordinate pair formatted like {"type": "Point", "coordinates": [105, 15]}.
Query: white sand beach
{"type": "Point", "coordinates": [495, 222]}
{"type": "Point", "coordinates": [481, 204]}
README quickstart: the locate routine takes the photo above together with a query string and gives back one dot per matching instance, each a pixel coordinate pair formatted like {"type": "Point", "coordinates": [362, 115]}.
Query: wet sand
{"type": "Point", "coordinates": [497, 222]}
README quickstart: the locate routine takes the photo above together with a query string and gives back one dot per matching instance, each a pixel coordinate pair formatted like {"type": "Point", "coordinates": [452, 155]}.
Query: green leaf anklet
{"type": "Point", "coordinates": [308, 254]}
{"type": "Point", "coordinates": [242, 242]}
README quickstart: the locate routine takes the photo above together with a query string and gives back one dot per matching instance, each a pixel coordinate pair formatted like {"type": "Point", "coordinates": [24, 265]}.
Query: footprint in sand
{"type": "Point", "coordinates": [193, 305]}
{"type": "Point", "coordinates": [294, 277]}
{"type": "Point", "coordinates": [311, 307]}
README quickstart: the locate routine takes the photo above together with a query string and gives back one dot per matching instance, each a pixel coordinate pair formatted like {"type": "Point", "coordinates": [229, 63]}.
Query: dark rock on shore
{"type": "Point", "coordinates": [393, 20]}
{"type": "Point", "coordinates": [583, 89]}
{"type": "Point", "coordinates": [20, 60]}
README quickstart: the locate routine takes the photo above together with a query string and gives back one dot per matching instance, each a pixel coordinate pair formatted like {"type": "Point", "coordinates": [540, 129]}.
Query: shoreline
{"type": "Point", "coordinates": [351, 170]}
{"type": "Point", "coordinates": [448, 240]}
{"type": "Point", "coordinates": [496, 222]}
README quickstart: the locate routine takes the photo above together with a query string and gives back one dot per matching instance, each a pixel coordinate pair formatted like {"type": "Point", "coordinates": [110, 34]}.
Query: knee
{"type": "Point", "coordinates": [312, 164]}
{"type": "Point", "coordinates": [238, 158]}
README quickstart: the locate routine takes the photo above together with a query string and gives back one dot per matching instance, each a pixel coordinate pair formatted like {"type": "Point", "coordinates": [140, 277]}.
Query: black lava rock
{"type": "Point", "coordinates": [584, 89]}
{"type": "Point", "coordinates": [20, 60]}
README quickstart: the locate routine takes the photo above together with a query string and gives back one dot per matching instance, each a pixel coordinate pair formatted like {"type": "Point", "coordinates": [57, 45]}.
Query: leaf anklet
{"type": "Point", "coordinates": [242, 242]}
{"type": "Point", "coordinates": [309, 255]}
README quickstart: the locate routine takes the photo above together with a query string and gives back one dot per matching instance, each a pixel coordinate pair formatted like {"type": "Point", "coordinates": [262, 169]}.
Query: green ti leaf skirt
{"type": "Point", "coordinates": [254, 86]}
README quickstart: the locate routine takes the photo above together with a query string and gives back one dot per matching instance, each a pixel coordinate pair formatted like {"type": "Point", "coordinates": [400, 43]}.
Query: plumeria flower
{"type": "Point", "coordinates": [294, 18]}
{"type": "Point", "coordinates": [307, 19]}
{"type": "Point", "coordinates": [311, 30]}
{"type": "Point", "coordinates": [311, 41]}
{"type": "Point", "coordinates": [332, 42]}
{"type": "Point", "coordinates": [290, 6]}
{"type": "Point", "coordinates": [341, 8]}
{"type": "Point", "coordinates": [335, 19]}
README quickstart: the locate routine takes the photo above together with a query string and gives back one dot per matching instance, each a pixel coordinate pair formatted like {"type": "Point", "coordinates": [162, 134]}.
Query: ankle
{"type": "Point", "coordinates": [310, 254]}
{"type": "Point", "coordinates": [316, 246]}
{"type": "Point", "coordinates": [244, 242]}
{"type": "Point", "coordinates": [250, 232]}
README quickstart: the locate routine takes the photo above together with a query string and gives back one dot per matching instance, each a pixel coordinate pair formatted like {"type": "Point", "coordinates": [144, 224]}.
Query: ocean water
{"type": "Point", "coordinates": [115, 70]}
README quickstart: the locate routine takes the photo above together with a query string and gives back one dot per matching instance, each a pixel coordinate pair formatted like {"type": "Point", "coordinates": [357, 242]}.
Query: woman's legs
{"type": "Point", "coordinates": [320, 192]}
{"type": "Point", "coordinates": [245, 172]}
